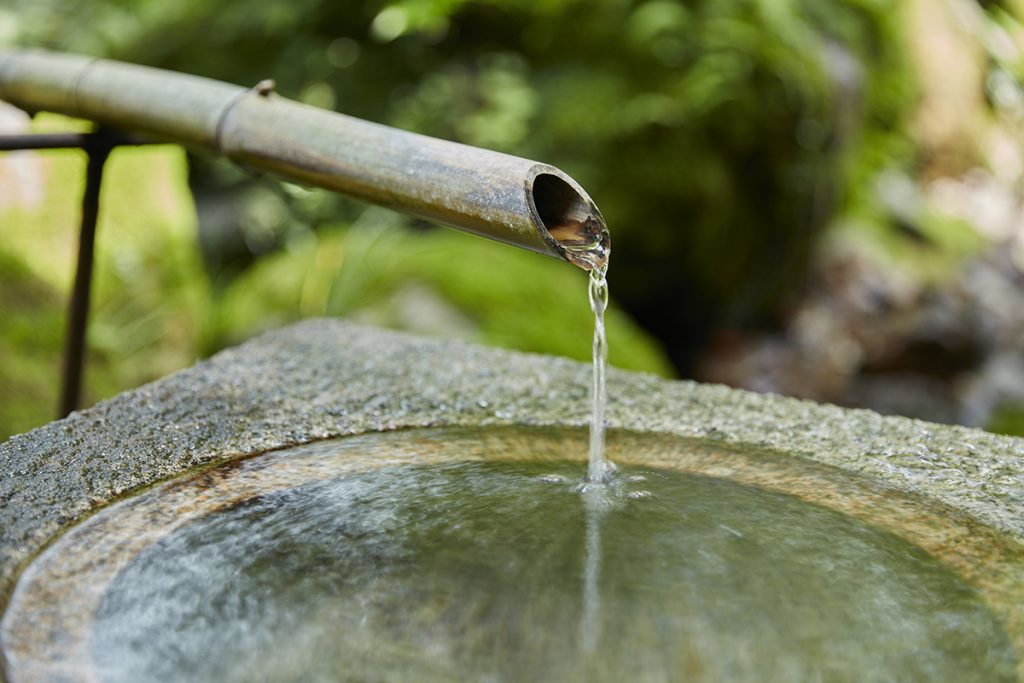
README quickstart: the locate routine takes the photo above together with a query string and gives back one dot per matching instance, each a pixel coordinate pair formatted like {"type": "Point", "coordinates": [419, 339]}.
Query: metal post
{"type": "Point", "coordinates": [12, 143]}
{"type": "Point", "coordinates": [97, 149]}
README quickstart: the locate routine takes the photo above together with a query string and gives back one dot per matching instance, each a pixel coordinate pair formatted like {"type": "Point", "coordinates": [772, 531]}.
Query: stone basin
{"type": "Point", "coordinates": [955, 494]}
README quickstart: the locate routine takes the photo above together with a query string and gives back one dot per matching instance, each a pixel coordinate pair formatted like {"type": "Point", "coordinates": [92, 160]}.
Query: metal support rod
{"type": "Point", "coordinates": [97, 148]}
{"type": "Point", "coordinates": [13, 143]}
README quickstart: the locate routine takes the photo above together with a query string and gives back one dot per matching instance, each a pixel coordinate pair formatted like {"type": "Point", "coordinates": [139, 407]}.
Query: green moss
{"type": "Point", "coordinates": [1008, 419]}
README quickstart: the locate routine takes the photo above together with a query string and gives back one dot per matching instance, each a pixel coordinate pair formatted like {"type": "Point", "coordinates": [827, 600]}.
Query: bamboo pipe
{"type": "Point", "coordinates": [513, 200]}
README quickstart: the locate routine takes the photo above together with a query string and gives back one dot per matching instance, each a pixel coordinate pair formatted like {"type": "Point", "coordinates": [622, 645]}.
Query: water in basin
{"type": "Point", "coordinates": [454, 556]}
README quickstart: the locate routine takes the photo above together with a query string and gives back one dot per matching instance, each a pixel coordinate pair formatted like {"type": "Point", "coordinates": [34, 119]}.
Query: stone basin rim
{"type": "Point", "coordinates": [269, 408]}
{"type": "Point", "coordinates": [326, 378]}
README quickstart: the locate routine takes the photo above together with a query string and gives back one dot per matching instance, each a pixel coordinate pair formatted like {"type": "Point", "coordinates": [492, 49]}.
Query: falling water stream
{"type": "Point", "coordinates": [590, 248]}
{"type": "Point", "coordinates": [598, 468]}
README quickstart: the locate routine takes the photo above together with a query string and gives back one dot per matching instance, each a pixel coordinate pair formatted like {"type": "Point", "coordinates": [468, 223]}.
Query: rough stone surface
{"type": "Point", "coordinates": [324, 378]}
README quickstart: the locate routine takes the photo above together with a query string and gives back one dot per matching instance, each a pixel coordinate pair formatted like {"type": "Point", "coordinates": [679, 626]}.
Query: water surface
{"type": "Point", "coordinates": [500, 570]}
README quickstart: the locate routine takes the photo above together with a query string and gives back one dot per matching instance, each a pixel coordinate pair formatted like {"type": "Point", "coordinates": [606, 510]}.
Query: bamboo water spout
{"type": "Point", "coordinates": [513, 200]}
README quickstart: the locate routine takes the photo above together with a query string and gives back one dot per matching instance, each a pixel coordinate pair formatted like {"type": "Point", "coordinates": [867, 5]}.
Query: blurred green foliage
{"type": "Point", "coordinates": [379, 272]}
{"type": "Point", "coordinates": [718, 136]}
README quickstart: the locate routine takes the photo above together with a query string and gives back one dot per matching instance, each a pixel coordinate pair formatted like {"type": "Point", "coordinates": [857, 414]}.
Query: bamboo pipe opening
{"type": "Point", "coordinates": [573, 222]}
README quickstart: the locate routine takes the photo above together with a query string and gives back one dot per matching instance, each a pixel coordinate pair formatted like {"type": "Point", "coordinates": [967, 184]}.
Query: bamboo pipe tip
{"type": "Point", "coordinates": [572, 221]}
